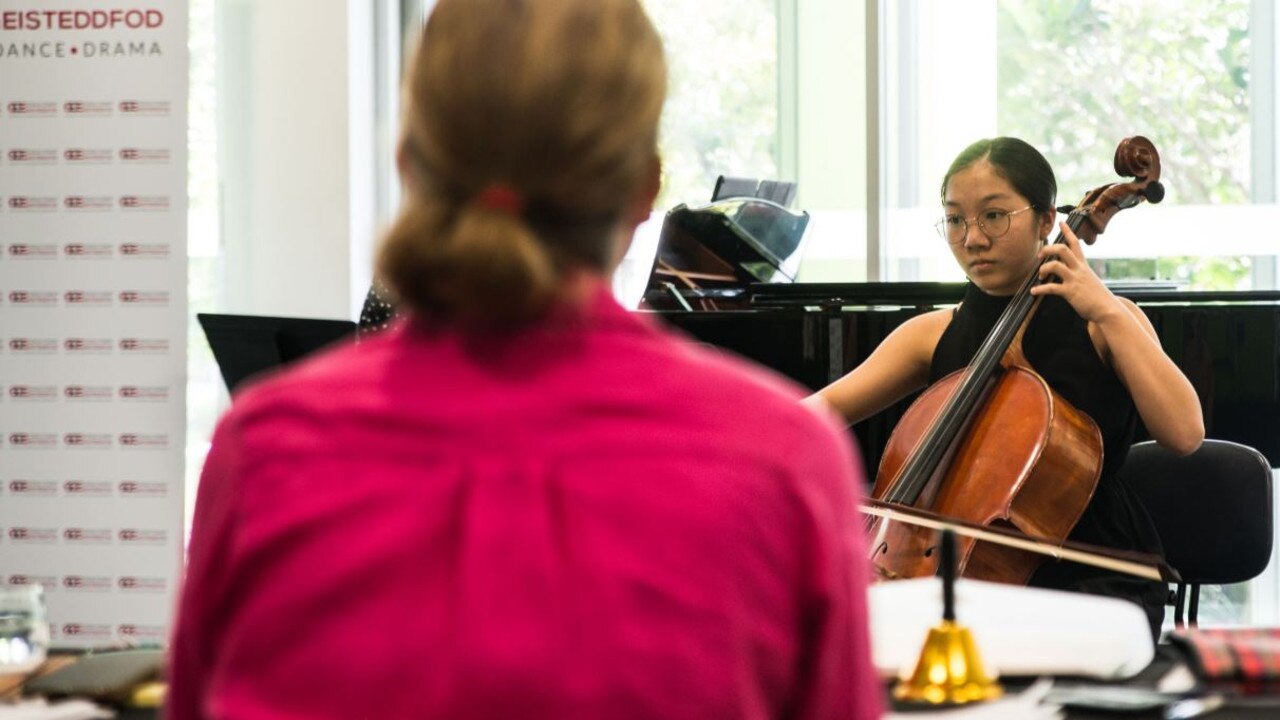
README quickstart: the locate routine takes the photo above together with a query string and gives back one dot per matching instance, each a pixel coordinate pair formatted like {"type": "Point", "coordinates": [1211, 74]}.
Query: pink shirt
{"type": "Point", "coordinates": [593, 519]}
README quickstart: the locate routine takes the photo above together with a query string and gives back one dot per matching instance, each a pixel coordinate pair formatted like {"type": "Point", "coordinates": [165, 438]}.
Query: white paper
{"type": "Point", "coordinates": [1018, 630]}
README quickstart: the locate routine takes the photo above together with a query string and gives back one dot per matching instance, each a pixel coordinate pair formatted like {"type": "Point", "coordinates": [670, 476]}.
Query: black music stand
{"type": "Point", "coordinates": [778, 191]}
{"type": "Point", "coordinates": [246, 345]}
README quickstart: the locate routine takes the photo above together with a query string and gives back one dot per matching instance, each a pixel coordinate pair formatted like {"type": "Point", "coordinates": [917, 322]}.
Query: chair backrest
{"type": "Point", "coordinates": [1212, 508]}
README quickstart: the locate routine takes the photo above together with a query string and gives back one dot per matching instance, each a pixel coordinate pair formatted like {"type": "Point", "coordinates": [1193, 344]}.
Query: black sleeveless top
{"type": "Point", "coordinates": [1057, 345]}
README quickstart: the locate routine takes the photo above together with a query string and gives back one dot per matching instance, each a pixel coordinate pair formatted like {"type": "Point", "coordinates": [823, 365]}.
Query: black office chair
{"type": "Point", "coordinates": [1212, 509]}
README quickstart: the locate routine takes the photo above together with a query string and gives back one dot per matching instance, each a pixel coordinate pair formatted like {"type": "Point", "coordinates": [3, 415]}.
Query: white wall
{"type": "Point", "coordinates": [286, 157]}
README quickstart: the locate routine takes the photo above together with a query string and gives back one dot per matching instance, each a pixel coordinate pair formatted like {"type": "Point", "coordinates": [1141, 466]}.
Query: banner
{"type": "Point", "coordinates": [93, 274]}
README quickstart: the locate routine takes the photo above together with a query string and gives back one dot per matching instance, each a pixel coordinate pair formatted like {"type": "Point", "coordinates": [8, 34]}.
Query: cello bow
{"type": "Point", "coordinates": [1143, 565]}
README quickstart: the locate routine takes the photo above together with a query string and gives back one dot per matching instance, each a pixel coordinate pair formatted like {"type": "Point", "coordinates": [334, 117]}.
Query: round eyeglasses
{"type": "Point", "coordinates": [992, 222]}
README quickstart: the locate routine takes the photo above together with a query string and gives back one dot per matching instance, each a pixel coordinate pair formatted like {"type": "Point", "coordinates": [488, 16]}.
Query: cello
{"type": "Point", "coordinates": [992, 444]}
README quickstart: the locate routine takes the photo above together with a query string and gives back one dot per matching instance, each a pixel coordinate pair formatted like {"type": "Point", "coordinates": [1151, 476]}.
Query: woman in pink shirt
{"type": "Point", "coordinates": [525, 501]}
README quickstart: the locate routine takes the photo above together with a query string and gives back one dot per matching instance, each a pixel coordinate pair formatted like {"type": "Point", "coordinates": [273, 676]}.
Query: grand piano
{"type": "Point", "coordinates": [729, 286]}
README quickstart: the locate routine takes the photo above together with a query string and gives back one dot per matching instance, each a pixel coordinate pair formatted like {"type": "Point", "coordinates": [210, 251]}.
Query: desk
{"type": "Point", "coordinates": [1236, 708]}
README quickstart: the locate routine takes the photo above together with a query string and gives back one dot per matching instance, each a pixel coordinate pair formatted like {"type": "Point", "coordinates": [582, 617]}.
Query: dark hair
{"type": "Point", "coordinates": [1016, 161]}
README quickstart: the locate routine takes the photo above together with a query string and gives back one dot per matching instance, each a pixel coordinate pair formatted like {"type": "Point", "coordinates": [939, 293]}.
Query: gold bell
{"type": "Point", "coordinates": [949, 670]}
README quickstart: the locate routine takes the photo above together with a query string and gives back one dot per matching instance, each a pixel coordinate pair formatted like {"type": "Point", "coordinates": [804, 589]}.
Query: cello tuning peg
{"type": "Point", "coordinates": [1066, 209]}
{"type": "Point", "coordinates": [1154, 192]}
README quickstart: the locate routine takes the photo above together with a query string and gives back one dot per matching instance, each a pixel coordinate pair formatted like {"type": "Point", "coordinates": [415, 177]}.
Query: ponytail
{"type": "Point", "coordinates": [479, 266]}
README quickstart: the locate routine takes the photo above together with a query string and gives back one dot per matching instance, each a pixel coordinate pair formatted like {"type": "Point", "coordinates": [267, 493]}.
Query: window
{"type": "Point", "coordinates": [721, 116]}
{"type": "Point", "coordinates": [1072, 78]}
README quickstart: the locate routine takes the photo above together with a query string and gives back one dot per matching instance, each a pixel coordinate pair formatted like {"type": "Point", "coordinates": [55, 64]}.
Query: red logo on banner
{"type": "Point", "coordinates": [32, 392]}
{"type": "Point", "coordinates": [144, 345]}
{"type": "Point", "coordinates": [151, 489]}
{"type": "Point", "coordinates": [73, 487]}
{"type": "Point", "coordinates": [144, 202]}
{"type": "Point", "coordinates": [33, 487]}
{"type": "Point", "coordinates": [33, 535]}
{"type": "Point", "coordinates": [24, 250]}
{"type": "Point", "coordinates": [130, 582]}
{"type": "Point", "coordinates": [152, 250]}
{"type": "Point", "coordinates": [87, 582]}
{"type": "Point", "coordinates": [85, 202]}
{"type": "Point", "coordinates": [144, 155]}
{"type": "Point", "coordinates": [20, 203]}
{"type": "Point", "coordinates": [75, 439]}
{"type": "Point", "coordinates": [87, 392]}
{"type": "Point", "coordinates": [87, 345]}
{"type": "Point", "coordinates": [100, 536]}
{"type": "Point", "coordinates": [19, 580]}
{"type": "Point", "coordinates": [144, 297]}
{"type": "Point", "coordinates": [33, 297]}
{"type": "Point", "coordinates": [82, 250]}
{"type": "Point", "coordinates": [87, 297]}
{"type": "Point", "coordinates": [29, 156]}
{"type": "Point", "coordinates": [73, 154]}
{"type": "Point", "coordinates": [33, 346]}
{"type": "Point", "coordinates": [19, 438]}
{"type": "Point", "coordinates": [134, 536]}
{"type": "Point", "coordinates": [19, 107]}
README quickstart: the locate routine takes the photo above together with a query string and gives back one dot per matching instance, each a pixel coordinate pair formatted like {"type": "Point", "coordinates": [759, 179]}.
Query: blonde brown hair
{"type": "Point", "coordinates": [552, 106]}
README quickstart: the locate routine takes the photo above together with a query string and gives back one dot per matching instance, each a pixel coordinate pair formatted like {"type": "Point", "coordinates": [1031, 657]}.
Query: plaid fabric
{"type": "Point", "coordinates": [1247, 657]}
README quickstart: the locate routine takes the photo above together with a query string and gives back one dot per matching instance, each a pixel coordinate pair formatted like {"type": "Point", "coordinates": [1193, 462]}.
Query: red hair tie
{"type": "Point", "coordinates": [501, 197]}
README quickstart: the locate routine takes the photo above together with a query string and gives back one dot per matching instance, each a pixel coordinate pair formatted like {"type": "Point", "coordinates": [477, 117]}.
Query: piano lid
{"type": "Point", "coordinates": [715, 251]}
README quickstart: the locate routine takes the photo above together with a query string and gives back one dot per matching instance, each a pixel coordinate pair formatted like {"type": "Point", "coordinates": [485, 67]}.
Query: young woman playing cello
{"type": "Point", "coordinates": [1096, 350]}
